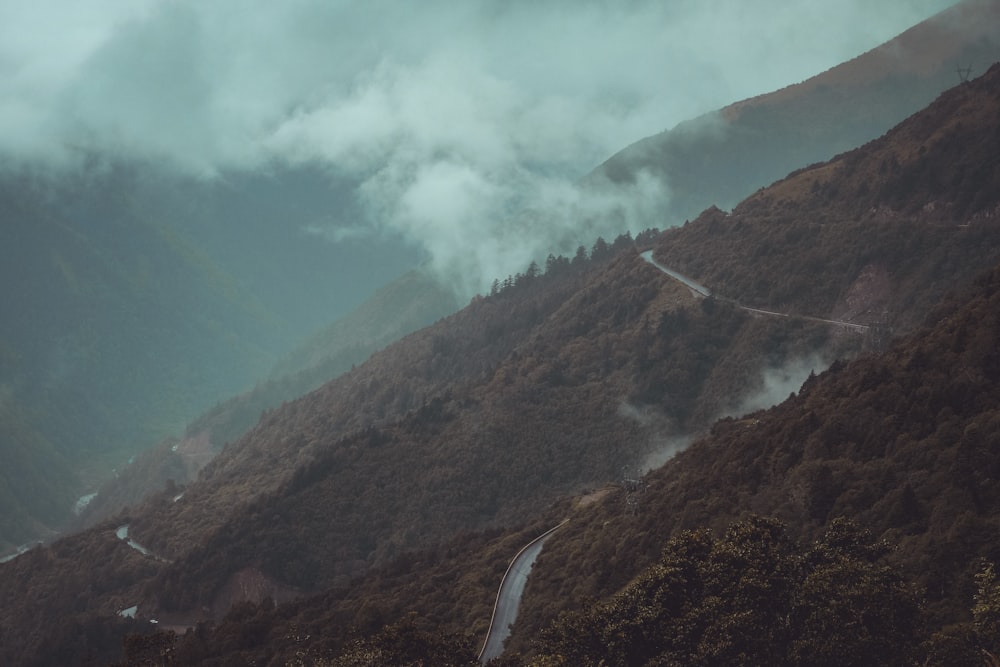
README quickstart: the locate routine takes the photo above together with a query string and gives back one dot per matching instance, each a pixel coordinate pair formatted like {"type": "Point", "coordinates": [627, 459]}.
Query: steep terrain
{"type": "Point", "coordinates": [908, 214]}
{"type": "Point", "coordinates": [717, 159]}
{"type": "Point", "coordinates": [409, 303]}
{"type": "Point", "coordinates": [903, 443]}
{"type": "Point", "coordinates": [900, 441]}
{"type": "Point", "coordinates": [524, 396]}
{"type": "Point", "coordinates": [114, 331]}
{"type": "Point", "coordinates": [489, 419]}
{"type": "Point", "coordinates": [135, 298]}
{"type": "Point", "coordinates": [724, 156]}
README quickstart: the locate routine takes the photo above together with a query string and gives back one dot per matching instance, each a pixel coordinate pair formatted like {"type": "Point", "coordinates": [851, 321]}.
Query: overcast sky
{"type": "Point", "coordinates": [442, 112]}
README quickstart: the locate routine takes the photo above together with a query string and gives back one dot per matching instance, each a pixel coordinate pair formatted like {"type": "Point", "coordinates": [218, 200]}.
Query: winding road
{"type": "Point", "coordinates": [702, 291]}
{"type": "Point", "coordinates": [122, 534]}
{"type": "Point", "coordinates": [509, 595]}
{"type": "Point", "coordinates": [697, 288]}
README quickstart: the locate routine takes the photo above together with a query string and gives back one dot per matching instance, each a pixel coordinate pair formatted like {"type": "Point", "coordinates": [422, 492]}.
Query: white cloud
{"type": "Point", "coordinates": [779, 383]}
{"type": "Point", "coordinates": [451, 117]}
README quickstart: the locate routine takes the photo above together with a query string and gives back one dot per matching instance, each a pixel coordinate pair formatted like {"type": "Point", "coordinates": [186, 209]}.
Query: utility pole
{"type": "Point", "coordinates": [633, 485]}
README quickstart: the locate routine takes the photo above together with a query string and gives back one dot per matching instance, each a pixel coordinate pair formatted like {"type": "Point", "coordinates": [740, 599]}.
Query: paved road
{"type": "Point", "coordinates": [701, 290]}
{"type": "Point", "coordinates": [509, 596]}
{"type": "Point", "coordinates": [695, 287]}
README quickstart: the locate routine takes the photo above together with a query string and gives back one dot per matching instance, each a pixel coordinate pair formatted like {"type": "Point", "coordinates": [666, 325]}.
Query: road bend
{"type": "Point", "coordinates": [702, 291]}
{"type": "Point", "coordinates": [509, 595]}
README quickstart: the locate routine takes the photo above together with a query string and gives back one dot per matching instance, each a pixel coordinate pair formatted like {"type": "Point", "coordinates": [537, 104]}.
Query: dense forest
{"type": "Point", "coordinates": [900, 442]}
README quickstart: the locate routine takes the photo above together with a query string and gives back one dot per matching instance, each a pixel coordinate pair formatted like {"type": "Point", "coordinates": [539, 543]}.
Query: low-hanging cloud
{"type": "Point", "coordinates": [465, 127]}
{"type": "Point", "coordinates": [777, 383]}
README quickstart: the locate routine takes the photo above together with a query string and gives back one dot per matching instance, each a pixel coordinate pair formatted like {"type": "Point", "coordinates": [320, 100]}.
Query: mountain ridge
{"type": "Point", "coordinates": [725, 155]}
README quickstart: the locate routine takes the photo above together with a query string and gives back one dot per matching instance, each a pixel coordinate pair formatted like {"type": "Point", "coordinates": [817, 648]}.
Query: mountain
{"type": "Point", "coordinates": [491, 421]}
{"type": "Point", "coordinates": [115, 329]}
{"type": "Point", "coordinates": [716, 159]}
{"type": "Point", "coordinates": [134, 299]}
{"type": "Point", "coordinates": [406, 304]}
{"type": "Point", "coordinates": [902, 443]}
{"type": "Point", "coordinates": [918, 206]}
{"type": "Point", "coordinates": [724, 156]}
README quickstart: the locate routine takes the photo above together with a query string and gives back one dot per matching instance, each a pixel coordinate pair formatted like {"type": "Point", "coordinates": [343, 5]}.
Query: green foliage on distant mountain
{"type": "Point", "coordinates": [358, 495]}
{"type": "Point", "coordinates": [118, 329]}
{"type": "Point", "coordinates": [36, 480]}
{"type": "Point", "coordinates": [115, 331]}
{"type": "Point", "coordinates": [413, 301]}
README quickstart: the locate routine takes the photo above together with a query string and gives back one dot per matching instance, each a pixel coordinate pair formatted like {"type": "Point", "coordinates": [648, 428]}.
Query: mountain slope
{"type": "Point", "coordinates": [902, 443]}
{"type": "Point", "coordinates": [724, 156]}
{"type": "Point", "coordinates": [756, 463]}
{"type": "Point", "coordinates": [115, 331]}
{"type": "Point", "coordinates": [906, 216]}
{"type": "Point", "coordinates": [409, 303]}
{"type": "Point", "coordinates": [538, 391]}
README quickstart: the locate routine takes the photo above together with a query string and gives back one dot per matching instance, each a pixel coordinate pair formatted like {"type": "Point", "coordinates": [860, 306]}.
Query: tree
{"type": "Point", "coordinates": [986, 611]}
{"type": "Point", "coordinates": [752, 597]}
{"type": "Point", "coordinates": [405, 645]}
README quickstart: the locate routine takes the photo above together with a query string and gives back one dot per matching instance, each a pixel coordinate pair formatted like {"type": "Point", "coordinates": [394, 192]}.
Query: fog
{"type": "Point", "coordinates": [774, 386]}
{"type": "Point", "coordinates": [778, 383]}
{"type": "Point", "coordinates": [462, 127]}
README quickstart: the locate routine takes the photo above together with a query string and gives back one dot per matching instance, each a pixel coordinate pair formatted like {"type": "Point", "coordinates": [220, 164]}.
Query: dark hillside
{"type": "Point", "coordinates": [592, 383]}
{"type": "Point", "coordinates": [875, 235]}
{"type": "Point", "coordinates": [546, 388]}
{"type": "Point", "coordinates": [903, 443]}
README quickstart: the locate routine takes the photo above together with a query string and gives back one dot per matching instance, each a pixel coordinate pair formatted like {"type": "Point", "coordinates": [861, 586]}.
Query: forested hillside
{"type": "Point", "coordinates": [909, 215]}
{"type": "Point", "coordinates": [550, 385]}
{"type": "Point", "coordinates": [685, 567]}
{"type": "Point", "coordinates": [409, 303]}
{"type": "Point", "coordinates": [899, 442]}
